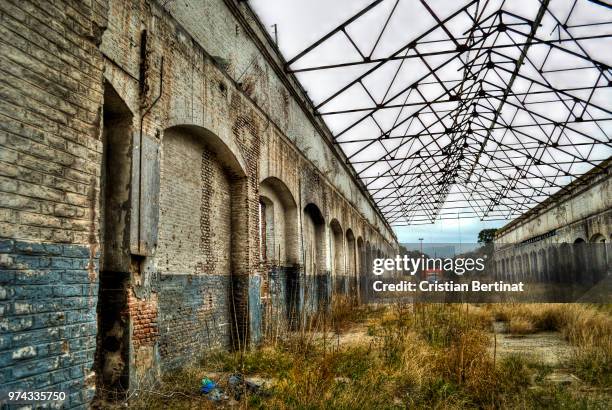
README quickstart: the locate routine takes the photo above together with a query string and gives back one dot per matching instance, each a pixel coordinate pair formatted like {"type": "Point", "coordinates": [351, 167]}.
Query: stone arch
{"type": "Point", "coordinates": [337, 248]}
{"type": "Point", "coordinates": [278, 251]}
{"type": "Point", "coordinates": [278, 223]}
{"type": "Point", "coordinates": [314, 236]}
{"type": "Point", "coordinates": [599, 255]}
{"type": "Point", "coordinates": [361, 256]}
{"type": "Point", "coordinates": [337, 252]}
{"type": "Point", "coordinates": [565, 262]}
{"type": "Point", "coordinates": [542, 266]}
{"type": "Point", "coordinates": [553, 264]}
{"type": "Point", "coordinates": [351, 253]}
{"type": "Point", "coordinates": [361, 267]}
{"type": "Point", "coordinates": [517, 267]}
{"type": "Point", "coordinates": [365, 285]}
{"type": "Point", "coordinates": [533, 265]}
{"type": "Point", "coordinates": [220, 137]}
{"type": "Point", "coordinates": [351, 261]}
{"type": "Point", "coordinates": [317, 288]}
{"type": "Point", "coordinates": [210, 199]}
{"type": "Point", "coordinates": [581, 260]}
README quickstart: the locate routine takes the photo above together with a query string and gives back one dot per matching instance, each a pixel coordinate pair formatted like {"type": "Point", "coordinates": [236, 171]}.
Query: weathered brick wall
{"type": "Point", "coordinates": [194, 248]}
{"type": "Point", "coordinates": [47, 321]}
{"type": "Point", "coordinates": [578, 211]}
{"type": "Point", "coordinates": [195, 205]}
{"type": "Point", "coordinates": [198, 268]}
{"type": "Point", "coordinates": [50, 97]}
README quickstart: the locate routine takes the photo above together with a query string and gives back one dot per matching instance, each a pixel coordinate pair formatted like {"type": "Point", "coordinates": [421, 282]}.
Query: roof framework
{"type": "Point", "coordinates": [475, 109]}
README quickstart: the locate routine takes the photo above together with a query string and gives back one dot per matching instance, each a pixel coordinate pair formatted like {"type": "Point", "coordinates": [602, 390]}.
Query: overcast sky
{"type": "Point", "coordinates": [300, 23]}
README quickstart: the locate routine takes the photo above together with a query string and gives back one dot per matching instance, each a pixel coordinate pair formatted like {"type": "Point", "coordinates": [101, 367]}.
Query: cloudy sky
{"type": "Point", "coordinates": [523, 156]}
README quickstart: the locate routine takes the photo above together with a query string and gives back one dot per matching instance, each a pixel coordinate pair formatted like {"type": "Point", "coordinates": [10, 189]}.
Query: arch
{"type": "Point", "coordinates": [278, 250]}
{"type": "Point", "coordinates": [517, 267]}
{"type": "Point", "coordinates": [599, 255]}
{"type": "Point", "coordinates": [223, 147]}
{"type": "Point", "coordinates": [366, 277]}
{"type": "Point", "coordinates": [361, 268]}
{"type": "Point", "coordinates": [210, 198]}
{"type": "Point", "coordinates": [361, 256]}
{"type": "Point", "coordinates": [541, 255]}
{"type": "Point", "coordinates": [314, 245]}
{"type": "Point", "coordinates": [597, 238]}
{"type": "Point", "coordinates": [533, 265]}
{"type": "Point", "coordinates": [351, 261]}
{"type": "Point", "coordinates": [337, 252]}
{"type": "Point", "coordinates": [218, 136]}
{"type": "Point", "coordinates": [565, 262]}
{"type": "Point", "coordinates": [278, 223]}
{"type": "Point", "coordinates": [337, 248]}
{"type": "Point", "coordinates": [351, 253]}
{"type": "Point", "coordinates": [579, 240]}
{"type": "Point", "coordinates": [553, 264]}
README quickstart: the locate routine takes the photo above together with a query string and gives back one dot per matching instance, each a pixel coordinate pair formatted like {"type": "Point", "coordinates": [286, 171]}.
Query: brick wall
{"type": "Point", "coordinates": [47, 318]}
{"type": "Point", "coordinates": [194, 249]}
{"type": "Point", "coordinates": [50, 96]}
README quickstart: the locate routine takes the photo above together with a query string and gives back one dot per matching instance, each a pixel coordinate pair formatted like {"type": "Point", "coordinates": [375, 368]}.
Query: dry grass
{"type": "Point", "coordinates": [432, 355]}
{"type": "Point", "coordinates": [520, 326]}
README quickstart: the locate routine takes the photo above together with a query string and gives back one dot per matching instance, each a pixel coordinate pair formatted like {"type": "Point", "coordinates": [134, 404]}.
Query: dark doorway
{"type": "Point", "coordinates": [112, 348]}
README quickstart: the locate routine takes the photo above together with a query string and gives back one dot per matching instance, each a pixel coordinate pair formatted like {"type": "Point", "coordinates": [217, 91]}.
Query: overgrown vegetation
{"type": "Point", "coordinates": [588, 328]}
{"type": "Point", "coordinates": [421, 356]}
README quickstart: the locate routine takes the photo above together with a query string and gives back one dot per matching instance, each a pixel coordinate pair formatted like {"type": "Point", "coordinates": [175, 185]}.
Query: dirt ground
{"type": "Point", "coordinates": [549, 348]}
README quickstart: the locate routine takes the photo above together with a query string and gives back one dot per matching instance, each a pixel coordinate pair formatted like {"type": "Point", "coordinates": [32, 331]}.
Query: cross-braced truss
{"type": "Point", "coordinates": [450, 109]}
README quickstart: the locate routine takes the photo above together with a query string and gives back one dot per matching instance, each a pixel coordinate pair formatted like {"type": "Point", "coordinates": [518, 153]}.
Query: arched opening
{"type": "Point", "coordinates": [278, 254]}
{"type": "Point", "coordinates": [112, 347]}
{"type": "Point", "coordinates": [361, 257]}
{"type": "Point", "coordinates": [278, 222]}
{"type": "Point", "coordinates": [599, 255]}
{"type": "Point", "coordinates": [541, 255]}
{"type": "Point", "coordinates": [317, 289]}
{"type": "Point", "coordinates": [581, 261]}
{"type": "Point", "coordinates": [200, 253]}
{"type": "Point", "coordinates": [351, 261]}
{"type": "Point", "coordinates": [337, 249]}
{"type": "Point", "coordinates": [533, 265]}
{"type": "Point", "coordinates": [365, 284]}
{"type": "Point", "coordinates": [517, 267]}
{"type": "Point", "coordinates": [553, 264]}
{"type": "Point", "coordinates": [361, 266]}
{"type": "Point", "coordinates": [525, 267]}
{"type": "Point", "coordinates": [565, 263]}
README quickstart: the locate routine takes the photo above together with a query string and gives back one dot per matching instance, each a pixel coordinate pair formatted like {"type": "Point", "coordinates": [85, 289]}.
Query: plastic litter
{"type": "Point", "coordinates": [212, 391]}
{"type": "Point", "coordinates": [207, 385]}
{"type": "Point", "coordinates": [237, 385]}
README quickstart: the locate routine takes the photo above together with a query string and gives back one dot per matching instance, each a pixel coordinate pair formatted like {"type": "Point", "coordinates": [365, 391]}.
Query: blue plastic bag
{"type": "Point", "coordinates": [207, 385]}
